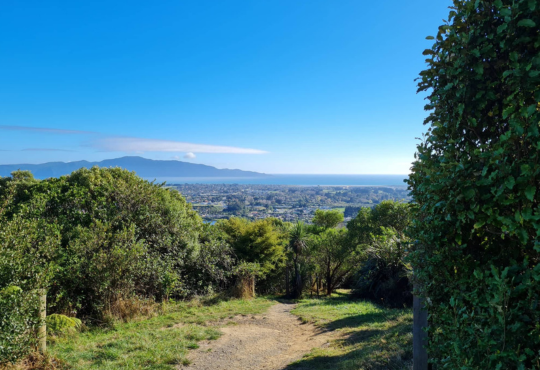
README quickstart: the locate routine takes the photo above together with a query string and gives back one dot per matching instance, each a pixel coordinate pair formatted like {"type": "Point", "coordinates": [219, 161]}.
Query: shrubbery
{"type": "Point", "coordinates": [475, 186]}
{"type": "Point", "coordinates": [107, 245]}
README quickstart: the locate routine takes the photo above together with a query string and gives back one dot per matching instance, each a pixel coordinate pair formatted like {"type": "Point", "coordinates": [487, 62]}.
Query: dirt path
{"type": "Point", "coordinates": [270, 341]}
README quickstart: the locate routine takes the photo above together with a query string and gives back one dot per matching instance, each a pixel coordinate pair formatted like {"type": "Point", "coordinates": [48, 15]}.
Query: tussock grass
{"type": "Point", "coordinates": [370, 337]}
{"type": "Point", "coordinates": [160, 342]}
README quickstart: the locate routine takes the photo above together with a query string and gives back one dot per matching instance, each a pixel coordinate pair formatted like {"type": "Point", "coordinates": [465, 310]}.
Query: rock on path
{"type": "Point", "coordinates": [270, 341]}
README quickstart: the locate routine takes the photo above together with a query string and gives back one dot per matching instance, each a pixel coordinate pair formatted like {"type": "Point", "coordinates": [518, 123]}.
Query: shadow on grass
{"type": "Point", "coordinates": [371, 341]}
{"type": "Point", "coordinates": [363, 349]}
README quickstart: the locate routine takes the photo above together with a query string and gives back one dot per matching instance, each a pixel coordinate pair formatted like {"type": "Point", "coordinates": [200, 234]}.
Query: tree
{"type": "Point", "coordinates": [327, 219]}
{"type": "Point", "coordinates": [368, 221]}
{"type": "Point", "coordinates": [298, 240]}
{"type": "Point", "coordinates": [335, 257]}
{"type": "Point", "coordinates": [474, 183]}
{"type": "Point", "coordinates": [262, 241]}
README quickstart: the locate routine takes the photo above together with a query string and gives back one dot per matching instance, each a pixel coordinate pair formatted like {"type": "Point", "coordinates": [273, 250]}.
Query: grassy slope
{"type": "Point", "coordinates": [371, 337]}
{"type": "Point", "coordinates": [157, 343]}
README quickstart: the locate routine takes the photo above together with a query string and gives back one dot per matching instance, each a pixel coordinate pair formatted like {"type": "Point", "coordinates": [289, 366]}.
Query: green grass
{"type": "Point", "coordinates": [160, 342]}
{"type": "Point", "coordinates": [370, 337]}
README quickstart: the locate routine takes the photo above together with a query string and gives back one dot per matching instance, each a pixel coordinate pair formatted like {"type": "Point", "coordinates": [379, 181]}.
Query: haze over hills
{"type": "Point", "coordinates": [142, 166]}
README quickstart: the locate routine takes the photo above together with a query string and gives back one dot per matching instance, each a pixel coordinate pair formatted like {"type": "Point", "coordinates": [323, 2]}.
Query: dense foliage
{"type": "Point", "coordinates": [106, 245]}
{"type": "Point", "coordinates": [27, 249]}
{"type": "Point", "coordinates": [384, 276]}
{"type": "Point", "coordinates": [475, 181]}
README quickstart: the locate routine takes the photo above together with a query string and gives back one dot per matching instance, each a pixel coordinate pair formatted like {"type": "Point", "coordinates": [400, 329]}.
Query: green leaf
{"type": "Point", "coordinates": [479, 224]}
{"type": "Point", "coordinates": [502, 27]}
{"type": "Point", "coordinates": [479, 68]}
{"type": "Point", "coordinates": [498, 4]}
{"type": "Point", "coordinates": [532, 4]}
{"type": "Point", "coordinates": [505, 12]}
{"type": "Point", "coordinates": [529, 192]}
{"type": "Point", "coordinates": [523, 235]}
{"type": "Point", "coordinates": [510, 182]}
{"type": "Point", "coordinates": [469, 193]}
{"type": "Point", "coordinates": [526, 23]}
{"type": "Point", "coordinates": [531, 109]}
{"type": "Point", "coordinates": [430, 38]}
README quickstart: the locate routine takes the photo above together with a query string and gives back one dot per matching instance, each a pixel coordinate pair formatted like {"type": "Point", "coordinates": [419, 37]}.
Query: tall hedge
{"type": "Point", "coordinates": [475, 186]}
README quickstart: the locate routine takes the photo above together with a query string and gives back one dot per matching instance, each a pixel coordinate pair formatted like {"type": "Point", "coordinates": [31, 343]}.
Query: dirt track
{"type": "Point", "coordinates": [270, 341]}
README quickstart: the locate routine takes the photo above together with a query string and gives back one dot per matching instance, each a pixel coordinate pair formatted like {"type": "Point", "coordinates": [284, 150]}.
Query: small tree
{"type": "Point", "coordinates": [334, 256]}
{"type": "Point", "coordinates": [474, 183]}
{"type": "Point", "coordinates": [327, 219]}
{"type": "Point", "coordinates": [297, 245]}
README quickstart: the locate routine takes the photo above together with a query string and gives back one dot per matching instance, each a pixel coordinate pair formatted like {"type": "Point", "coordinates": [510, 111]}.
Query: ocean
{"type": "Point", "coordinates": [301, 180]}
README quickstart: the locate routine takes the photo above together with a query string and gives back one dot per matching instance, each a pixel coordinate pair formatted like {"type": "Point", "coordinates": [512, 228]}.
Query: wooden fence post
{"type": "Point", "coordinates": [287, 291]}
{"type": "Point", "coordinates": [420, 321]}
{"type": "Point", "coordinates": [42, 330]}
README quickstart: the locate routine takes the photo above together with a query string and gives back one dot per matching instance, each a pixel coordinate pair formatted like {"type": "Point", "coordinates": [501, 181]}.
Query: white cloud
{"type": "Point", "coordinates": [133, 144]}
{"type": "Point", "coordinates": [189, 155]}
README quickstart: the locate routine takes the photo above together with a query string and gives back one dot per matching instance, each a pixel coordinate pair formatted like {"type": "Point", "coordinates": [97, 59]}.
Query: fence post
{"type": "Point", "coordinates": [42, 330]}
{"type": "Point", "coordinates": [287, 291]}
{"type": "Point", "coordinates": [420, 321]}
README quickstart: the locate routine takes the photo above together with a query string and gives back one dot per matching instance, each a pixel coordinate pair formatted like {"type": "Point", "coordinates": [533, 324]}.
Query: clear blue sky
{"type": "Point", "coordinates": [277, 86]}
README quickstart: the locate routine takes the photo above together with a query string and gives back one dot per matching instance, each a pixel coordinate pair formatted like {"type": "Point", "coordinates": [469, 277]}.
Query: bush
{"type": "Point", "coordinates": [27, 250]}
{"type": "Point", "coordinates": [19, 319]}
{"type": "Point", "coordinates": [120, 236]}
{"type": "Point", "coordinates": [384, 277]}
{"type": "Point", "coordinates": [211, 269]}
{"type": "Point", "coordinates": [474, 183]}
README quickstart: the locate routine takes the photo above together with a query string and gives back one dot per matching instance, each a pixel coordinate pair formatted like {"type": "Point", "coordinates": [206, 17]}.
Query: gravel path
{"type": "Point", "coordinates": [270, 341]}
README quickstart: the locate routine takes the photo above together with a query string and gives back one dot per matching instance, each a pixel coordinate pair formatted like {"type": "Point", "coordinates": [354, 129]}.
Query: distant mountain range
{"type": "Point", "coordinates": [142, 166]}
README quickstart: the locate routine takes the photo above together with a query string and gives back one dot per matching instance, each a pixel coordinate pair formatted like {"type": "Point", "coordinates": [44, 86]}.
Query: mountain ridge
{"type": "Point", "coordinates": [143, 167]}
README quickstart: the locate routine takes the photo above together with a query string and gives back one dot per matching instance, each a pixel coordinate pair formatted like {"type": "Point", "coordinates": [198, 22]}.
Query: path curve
{"type": "Point", "coordinates": [269, 341]}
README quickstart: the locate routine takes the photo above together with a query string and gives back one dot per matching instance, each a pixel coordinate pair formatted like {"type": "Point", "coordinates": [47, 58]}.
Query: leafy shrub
{"type": "Point", "coordinates": [262, 242]}
{"type": "Point", "coordinates": [19, 318]}
{"type": "Point", "coordinates": [380, 231]}
{"type": "Point", "coordinates": [384, 277]}
{"type": "Point", "coordinates": [475, 181]}
{"type": "Point", "coordinates": [210, 270]}
{"type": "Point", "coordinates": [120, 236]}
{"type": "Point", "coordinates": [27, 249]}
{"type": "Point", "coordinates": [101, 267]}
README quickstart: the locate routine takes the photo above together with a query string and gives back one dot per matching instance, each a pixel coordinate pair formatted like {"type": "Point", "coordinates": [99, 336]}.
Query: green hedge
{"type": "Point", "coordinates": [475, 185]}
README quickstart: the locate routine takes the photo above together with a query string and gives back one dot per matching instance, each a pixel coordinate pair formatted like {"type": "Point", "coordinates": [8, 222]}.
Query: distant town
{"type": "Point", "coordinates": [289, 203]}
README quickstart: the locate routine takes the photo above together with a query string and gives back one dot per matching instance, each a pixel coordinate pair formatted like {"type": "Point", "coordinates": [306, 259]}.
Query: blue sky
{"type": "Point", "coordinates": [277, 86]}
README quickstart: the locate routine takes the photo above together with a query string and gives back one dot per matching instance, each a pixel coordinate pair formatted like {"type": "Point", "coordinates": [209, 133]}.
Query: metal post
{"type": "Point", "coordinates": [420, 321]}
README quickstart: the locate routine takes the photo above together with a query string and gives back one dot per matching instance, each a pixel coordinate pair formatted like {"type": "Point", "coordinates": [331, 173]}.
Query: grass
{"type": "Point", "coordinates": [370, 337]}
{"type": "Point", "coordinates": [160, 342]}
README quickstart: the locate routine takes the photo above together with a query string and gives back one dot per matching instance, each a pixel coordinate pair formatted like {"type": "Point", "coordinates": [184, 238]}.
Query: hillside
{"type": "Point", "coordinates": [142, 166]}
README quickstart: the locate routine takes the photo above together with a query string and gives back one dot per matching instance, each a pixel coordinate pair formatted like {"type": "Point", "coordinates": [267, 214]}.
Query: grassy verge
{"type": "Point", "coordinates": [370, 337]}
{"type": "Point", "coordinates": [160, 342]}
